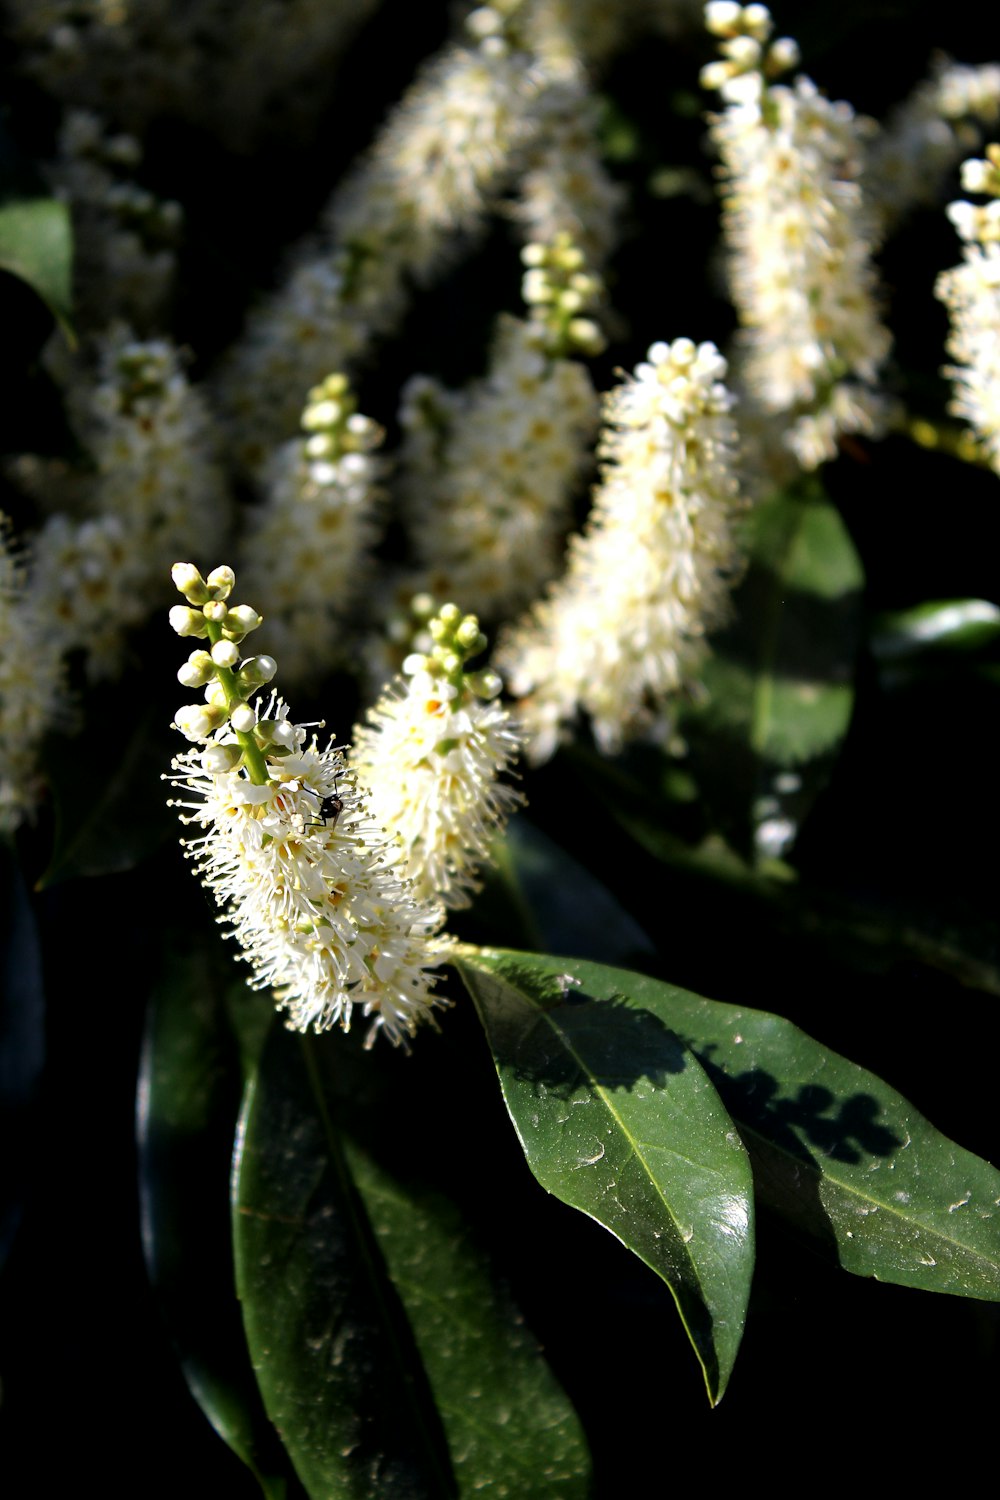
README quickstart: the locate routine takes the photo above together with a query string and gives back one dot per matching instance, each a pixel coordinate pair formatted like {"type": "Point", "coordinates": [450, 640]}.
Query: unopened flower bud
{"type": "Point", "coordinates": [722, 17]}
{"type": "Point", "coordinates": [782, 55]}
{"type": "Point", "coordinates": [586, 335]}
{"type": "Point", "coordinates": [220, 759]}
{"type": "Point", "coordinates": [225, 654]}
{"type": "Point", "coordinates": [196, 721]}
{"type": "Point", "coordinates": [187, 621]}
{"type": "Point", "coordinates": [756, 19]}
{"type": "Point", "coordinates": [243, 718]}
{"type": "Point", "coordinates": [255, 672]}
{"type": "Point", "coordinates": [197, 670]}
{"type": "Point", "coordinates": [240, 621]}
{"type": "Point", "coordinates": [189, 582]}
{"type": "Point", "coordinates": [221, 581]}
{"type": "Point", "coordinates": [469, 636]}
{"type": "Point", "coordinates": [215, 610]}
{"type": "Point", "coordinates": [485, 684]}
{"type": "Point", "coordinates": [283, 733]}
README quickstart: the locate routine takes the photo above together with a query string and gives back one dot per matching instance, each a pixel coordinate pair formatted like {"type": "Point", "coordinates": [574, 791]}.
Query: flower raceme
{"type": "Point", "coordinates": [622, 632]}
{"type": "Point", "coordinates": [336, 895]}
{"type": "Point", "coordinates": [311, 888]}
{"type": "Point", "coordinates": [800, 238]}
{"type": "Point", "coordinates": [971, 292]}
{"type": "Point", "coordinates": [432, 752]}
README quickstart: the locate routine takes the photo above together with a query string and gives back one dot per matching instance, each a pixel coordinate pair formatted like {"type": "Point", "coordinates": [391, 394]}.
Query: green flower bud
{"type": "Point", "coordinates": [225, 654]}
{"type": "Point", "coordinates": [187, 621]}
{"type": "Point", "coordinates": [189, 582]}
{"type": "Point", "coordinates": [221, 581]}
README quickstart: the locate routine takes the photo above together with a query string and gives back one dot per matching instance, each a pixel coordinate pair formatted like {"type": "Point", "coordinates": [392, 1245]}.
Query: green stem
{"type": "Point", "coordinates": [253, 756]}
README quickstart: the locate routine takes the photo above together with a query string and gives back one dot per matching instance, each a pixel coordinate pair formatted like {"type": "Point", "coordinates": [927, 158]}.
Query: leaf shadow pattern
{"type": "Point", "coordinates": [790, 1135]}
{"type": "Point", "coordinates": [559, 1038]}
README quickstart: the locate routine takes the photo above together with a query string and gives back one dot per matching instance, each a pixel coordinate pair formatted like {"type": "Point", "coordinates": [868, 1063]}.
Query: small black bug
{"type": "Point", "coordinates": [330, 810]}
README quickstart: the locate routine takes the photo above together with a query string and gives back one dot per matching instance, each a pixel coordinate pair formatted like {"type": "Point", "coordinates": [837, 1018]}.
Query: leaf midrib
{"type": "Point", "coordinates": [811, 1165]}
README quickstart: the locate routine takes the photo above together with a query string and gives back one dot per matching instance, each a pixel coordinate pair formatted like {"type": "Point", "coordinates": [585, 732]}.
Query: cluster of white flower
{"type": "Point", "coordinates": [312, 889]}
{"type": "Point", "coordinates": [442, 156]}
{"type": "Point", "coordinates": [624, 629]}
{"type": "Point", "coordinates": [489, 472]}
{"type": "Point", "coordinates": [799, 238]}
{"type": "Point", "coordinates": [431, 755]}
{"type": "Point", "coordinates": [971, 293]}
{"type": "Point", "coordinates": [156, 487]}
{"type": "Point", "coordinates": [565, 187]}
{"type": "Point", "coordinates": [306, 550]}
{"type": "Point", "coordinates": [124, 262]}
{"type": "Point", "coordinates": [926, 136]}
{"type": "Point", "coordinates": [31, 688]}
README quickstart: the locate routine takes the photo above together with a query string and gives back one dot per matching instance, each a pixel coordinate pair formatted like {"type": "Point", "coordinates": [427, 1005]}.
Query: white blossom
{"type": "Point", "coordinates": [488, 473]}
{"type": "Point", "coordinates": [432, 754]}
{"type": "Point", "coordinates": [800, 240]}
{"type": "Point", "coordinates": [311, 888]}
{"type": "Point", "coordinates": [156, 490]}
{"type": "Point", "coordinates": [971, 292]}
{"type": "Point", "coordinates": [441, 158]}
{"type": "Point", "coordinates": [622, 631]}
{"type": "Point", "coordinates": [305, 552]}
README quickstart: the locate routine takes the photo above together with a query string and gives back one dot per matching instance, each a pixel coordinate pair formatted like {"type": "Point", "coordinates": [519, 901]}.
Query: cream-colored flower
{"type": "Point", "coordinates": [432, 754]}
{"type": "Point", "coordinates": [800, 241]}
{"type": "Point", "coordinates": [305, 555]}
{"type": "Point", "coordinates": [623, 630]}
{"type": "Point", "coordinates": [312, 889]}
{"type": "Point", "coordinates": [489, 472]}
{"type": "Point", "coordinates": [971, 292]}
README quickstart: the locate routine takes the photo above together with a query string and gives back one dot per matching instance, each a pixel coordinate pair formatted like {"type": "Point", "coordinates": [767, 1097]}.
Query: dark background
{"type": "Point", "coordinates": [92, 1392]}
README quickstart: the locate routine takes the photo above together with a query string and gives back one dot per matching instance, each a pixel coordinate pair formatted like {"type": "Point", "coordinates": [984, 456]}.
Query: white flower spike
{"type": "Point", "coordinates": [432, 753]}
{"type": "Point", "coordinates": [309, 886]}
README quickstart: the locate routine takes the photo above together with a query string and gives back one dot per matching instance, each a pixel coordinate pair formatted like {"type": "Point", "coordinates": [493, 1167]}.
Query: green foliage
{"type": "Point", "coordinates": [387, 1357]}
{"type": "Point", "coordinates": [36, 235]}
{"type": "Point", "coordinates": [618, 1120]}
{"type": "Point", "coordinates": [779, 685]}
{"type": "Point", "coordinates": [710, 973]}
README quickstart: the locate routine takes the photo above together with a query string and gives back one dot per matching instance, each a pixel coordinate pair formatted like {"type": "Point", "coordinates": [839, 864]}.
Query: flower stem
{"type": "Point", "coordinates": [253, 756]}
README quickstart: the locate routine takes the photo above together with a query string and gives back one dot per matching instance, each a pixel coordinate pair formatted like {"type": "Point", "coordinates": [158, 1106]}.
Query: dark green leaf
{"type": "Point", "coordinates": [189, 1095]}
{"type": "Point", "coordinates": [618, 1120]}
{"type": "Point", "coordinates": [36, 244]}
{"type": "Point", "coordinates": [836, 1150]}
{"type": "Point", "coordinates": [22, 1036]}
{"type": "Point", "coordinates": [509, 1426]}
{"type": "Point", "coordinates": [352, 1367]}
{"type": "Point", "coordinates": [780, 681]}
{"type": "Point", "coordinates": [367, 1305]}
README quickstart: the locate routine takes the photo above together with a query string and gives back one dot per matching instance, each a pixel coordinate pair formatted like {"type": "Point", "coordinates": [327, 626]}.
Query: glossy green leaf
{"type": "Point", "coordinates": [36, 244]}
{"type": "Point", "coordinates": [510, 1428]}
{"type": "Point", "coordinates": [389, 1360]}
{"type": "Point", "coordinates": [938, 625]}
{"type": "Point", "coordinates": [617, 1119]}
{"type": "Point", "coordinates": [779, 683]}
{"type": "Point", "coordinates": [22, 1037]}
{"type": "Point", "coordinates": [189, 1097]}
{"type": "Point", "coordinates": [836, 1150]}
